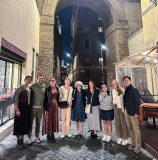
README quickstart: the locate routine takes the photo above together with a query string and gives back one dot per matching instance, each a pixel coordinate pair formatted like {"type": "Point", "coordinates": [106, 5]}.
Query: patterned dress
{"type": "Point", "coordinates": [51, 122]}
{"type": "Point", "coordinates": [78, 112]}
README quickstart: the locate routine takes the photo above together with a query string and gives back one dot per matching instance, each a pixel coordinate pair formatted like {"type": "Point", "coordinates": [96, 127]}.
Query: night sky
{"type": "Point", "coordinates": [65, 19]}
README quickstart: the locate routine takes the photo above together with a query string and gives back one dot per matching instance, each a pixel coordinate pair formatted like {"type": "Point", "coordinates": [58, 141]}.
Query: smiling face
{"type": "Point", "coordinates": [40, 79]}
{"type": "Point", "coordinates": [67, 82]}
{"type": "Point", "coordinates": [127, 82]}
{"type": "Point", "coordinates": [91, 85]}
{"type": "Point", "coordinates": [53, 81]}
{"type": "Point", "coordinates": [78, 86]}
{"type": "Point", "coordinates": [114, 84]}
{"type": "Point", "coordinates": [27, 81]}
{"type": "Point", "coordinates": [104, 88]}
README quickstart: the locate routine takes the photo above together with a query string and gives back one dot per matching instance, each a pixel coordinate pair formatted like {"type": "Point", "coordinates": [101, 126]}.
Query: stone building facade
{"type": "Point", "coordinates": [123, 23]}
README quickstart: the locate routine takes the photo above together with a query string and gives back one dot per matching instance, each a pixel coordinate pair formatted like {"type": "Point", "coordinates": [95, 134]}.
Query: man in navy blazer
{"type": "Point", "coordinates": [132, 103]}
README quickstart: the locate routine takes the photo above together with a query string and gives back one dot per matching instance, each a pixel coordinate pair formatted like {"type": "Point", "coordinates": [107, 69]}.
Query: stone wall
{"type": "Point", "coordinates": [117, 46]}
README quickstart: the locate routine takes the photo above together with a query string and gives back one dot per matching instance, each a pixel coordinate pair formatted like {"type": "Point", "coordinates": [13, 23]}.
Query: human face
{"type": "Point", "coordinates": [40, 79]}
{"type": "Point", "coordinates": [67, 82]}
{"type": "Point", "coordinates": [104, 88]}
{"type": "Point", "coordinates": [114, 84]}
{"type": "Point", "coordinates": [91, 85]}
{"type": "Point", "coordinates": [27, 81]}
{"type": "Point", "coordinates": [127, 82]}
{"type": "Point", "coordinates": [78, 87]}
{"type": "Point", "coordinates": [53, 82]}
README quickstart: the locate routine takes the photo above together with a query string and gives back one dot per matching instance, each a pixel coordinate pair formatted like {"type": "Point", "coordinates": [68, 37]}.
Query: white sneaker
{"type": "Point", "coordinates": [119, 140]}
{"type": "Point", "coordinates": [29, 141]}
{"type": "Point", "coordinates": [104, 138]}
{"type": "Point", "coordinates": [69, 135]}
{"type": "Point", "coordinates": [38, 140]}
{"type": "Point", "coordinates": [62, 135]}
{"type": "Point", "coordinates": [108, 139]}
{"type": "Point", "coordinates": [124, 142]}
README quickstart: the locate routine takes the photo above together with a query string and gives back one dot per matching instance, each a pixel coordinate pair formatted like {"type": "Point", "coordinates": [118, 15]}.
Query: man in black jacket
{"type": "Point", "coordinates": [132, 104]}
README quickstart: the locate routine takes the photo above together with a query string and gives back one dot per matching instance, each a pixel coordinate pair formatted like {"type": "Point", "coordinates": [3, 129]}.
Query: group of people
{"type": "Point", "coordinates": [58, 106]}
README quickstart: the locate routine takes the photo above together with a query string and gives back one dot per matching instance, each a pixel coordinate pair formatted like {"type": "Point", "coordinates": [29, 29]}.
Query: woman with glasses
{"type": "Point", "coordinates": [51, 121]}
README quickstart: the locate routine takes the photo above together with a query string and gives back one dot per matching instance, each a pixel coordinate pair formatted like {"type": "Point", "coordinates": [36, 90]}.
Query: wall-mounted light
{"type": "Point", "coordinates": [154, 2]}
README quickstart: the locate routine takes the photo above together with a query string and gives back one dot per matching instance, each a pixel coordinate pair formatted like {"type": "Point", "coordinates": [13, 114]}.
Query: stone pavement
{"type": "Point", "coordinates": [70, 149]}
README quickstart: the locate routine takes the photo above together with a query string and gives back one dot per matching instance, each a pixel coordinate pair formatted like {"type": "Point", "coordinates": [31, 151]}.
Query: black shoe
{"type": "Point", "coordinates": [77, 136]}
{"type": "Point", "coordinates": [92, 134]}
{"type": "Point", "coordinates": [48, 138]}
{"type": "Point", "coordinates": [23, 144]}
{"type": "Point", "coordinates": [19, 145]}
{"type": "Point", "coordinates": [53, 140]}
{"type": "Point", "coordinates": [80, 136]}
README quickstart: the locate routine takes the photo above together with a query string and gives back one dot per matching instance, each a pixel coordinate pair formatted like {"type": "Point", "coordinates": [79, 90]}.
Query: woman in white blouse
{"type": "Point", "coordinates": [65, 93]}
{"type": "Point", "coordinates": [120, 123]}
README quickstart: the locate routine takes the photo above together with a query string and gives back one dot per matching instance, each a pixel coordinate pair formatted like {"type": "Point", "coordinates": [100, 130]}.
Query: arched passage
{"type": "Point", "coordinates": [116, 32]}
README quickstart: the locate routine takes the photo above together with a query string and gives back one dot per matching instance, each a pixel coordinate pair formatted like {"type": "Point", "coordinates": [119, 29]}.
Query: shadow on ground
{"type": "Point", "coordinates": [73, 149]}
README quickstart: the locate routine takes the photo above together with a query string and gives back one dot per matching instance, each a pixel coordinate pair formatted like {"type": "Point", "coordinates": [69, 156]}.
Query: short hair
{"type": "Point", "coordinates": [28, 77]}
{"type": "Point", "coordinates": [40, 75]}
{"type": "Point", "coordinates": [127, 78]}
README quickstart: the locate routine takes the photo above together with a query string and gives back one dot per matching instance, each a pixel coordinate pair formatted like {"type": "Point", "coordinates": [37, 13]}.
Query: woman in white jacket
{"type": "Point", "coordinates": [120, 123]}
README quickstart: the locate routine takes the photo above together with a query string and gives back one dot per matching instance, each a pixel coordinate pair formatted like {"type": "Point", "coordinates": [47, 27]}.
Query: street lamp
{"type": "Point", "coordinates": [101, 60]}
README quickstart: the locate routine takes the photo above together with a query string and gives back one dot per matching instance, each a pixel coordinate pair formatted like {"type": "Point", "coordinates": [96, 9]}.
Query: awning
{"type": "Point", "coordinates": [148, 57]}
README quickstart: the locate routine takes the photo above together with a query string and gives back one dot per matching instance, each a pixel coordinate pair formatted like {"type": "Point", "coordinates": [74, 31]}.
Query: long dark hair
{"type": "Point", "coordinates": [108, 92]}
{"type": "Point", "coordinates": [94, 86]}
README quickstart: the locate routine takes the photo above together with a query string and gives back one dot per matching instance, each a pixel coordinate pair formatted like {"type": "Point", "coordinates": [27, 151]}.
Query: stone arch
{"type": "Point", "coordinates": [116, 34]}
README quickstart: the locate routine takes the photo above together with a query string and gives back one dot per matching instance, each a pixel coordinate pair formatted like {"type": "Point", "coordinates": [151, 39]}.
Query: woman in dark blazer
{"type": "Point", "coordinates": [92, 94]}
{"type": "Point", "coordinates": [50, 119]}
{"type": "Point", "coordinates": [78, 108]}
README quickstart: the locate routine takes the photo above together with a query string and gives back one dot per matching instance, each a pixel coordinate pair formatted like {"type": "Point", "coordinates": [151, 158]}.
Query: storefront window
{"type": "Point", "coordinates": [9, 78]}
{"type": "Point", "coordinates": [2, 75]}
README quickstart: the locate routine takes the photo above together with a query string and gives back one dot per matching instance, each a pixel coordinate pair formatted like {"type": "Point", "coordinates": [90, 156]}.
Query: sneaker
{"type": "Point", "coordinates": [124, 142]}
{"type": "Point", "coordinates": [62, 136]}
{"type": "Point", "coordinates": [136, 149]}
{"type": "Point", "coordinates": [29, 141]}
{"type": "Point", "coordinates": [104, 138]}
{"type": "Point", "coordinates": [131, 146]}
{"type": "Point", "coordinates": [37, 140]}
{"type": "Point", "coordinates": [69, 135]}
{"type": "Point", "coordinates": [119, 140]}
{"type": "Point", "coordinates": [108, 139]}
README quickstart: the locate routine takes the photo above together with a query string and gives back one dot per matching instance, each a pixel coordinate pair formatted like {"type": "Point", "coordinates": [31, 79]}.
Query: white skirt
{"type": "Point", "coordinates": [93, 119]}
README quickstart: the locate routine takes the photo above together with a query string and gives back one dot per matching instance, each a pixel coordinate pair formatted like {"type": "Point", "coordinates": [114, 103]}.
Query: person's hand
{"type": "Point", "coordinates": [136, 115]}
{"type": "Point", "coordinates": [18, 113]}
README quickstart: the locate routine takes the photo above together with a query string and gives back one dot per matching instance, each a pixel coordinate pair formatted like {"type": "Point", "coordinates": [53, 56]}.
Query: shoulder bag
{"type": "Point", "coordinates": [64, 104]}
{"type": "Point", "coordinates": [89, 106]}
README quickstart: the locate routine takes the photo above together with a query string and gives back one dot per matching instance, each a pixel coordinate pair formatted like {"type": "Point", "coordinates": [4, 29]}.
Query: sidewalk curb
{"type": "Point", "coordinates": [6, 129]}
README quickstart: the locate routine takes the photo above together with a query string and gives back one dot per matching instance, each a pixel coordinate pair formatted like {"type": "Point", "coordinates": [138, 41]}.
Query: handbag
{"type": "Point", "coordinates": [88, 108]}
{"type": "Point", "coordinates": [64, 104]}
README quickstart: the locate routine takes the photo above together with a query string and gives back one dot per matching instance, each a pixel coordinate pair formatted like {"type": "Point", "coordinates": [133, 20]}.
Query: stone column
{"type": "Point", "coordinates": [46, 47]}
{"type": "Point", "coordinates": [117, 46]}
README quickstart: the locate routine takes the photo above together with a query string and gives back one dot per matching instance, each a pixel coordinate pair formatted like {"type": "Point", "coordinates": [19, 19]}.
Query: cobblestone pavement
{"type": "Point", "coordinates": [70, 149]}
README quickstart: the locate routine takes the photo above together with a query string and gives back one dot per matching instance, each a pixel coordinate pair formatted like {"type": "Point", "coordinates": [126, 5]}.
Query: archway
{"type": "Point", "coordinates": [116, 32]}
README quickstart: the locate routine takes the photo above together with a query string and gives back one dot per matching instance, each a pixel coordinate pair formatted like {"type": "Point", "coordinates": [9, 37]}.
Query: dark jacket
{"type": "Point", "coordinates": [132, 100]}
{"type": "Point", "coordinates": [95, 99]}
{"type": "Point", "coordinates": [75, 97]}
{"type": "Point", "coordinates": [47, 98]}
